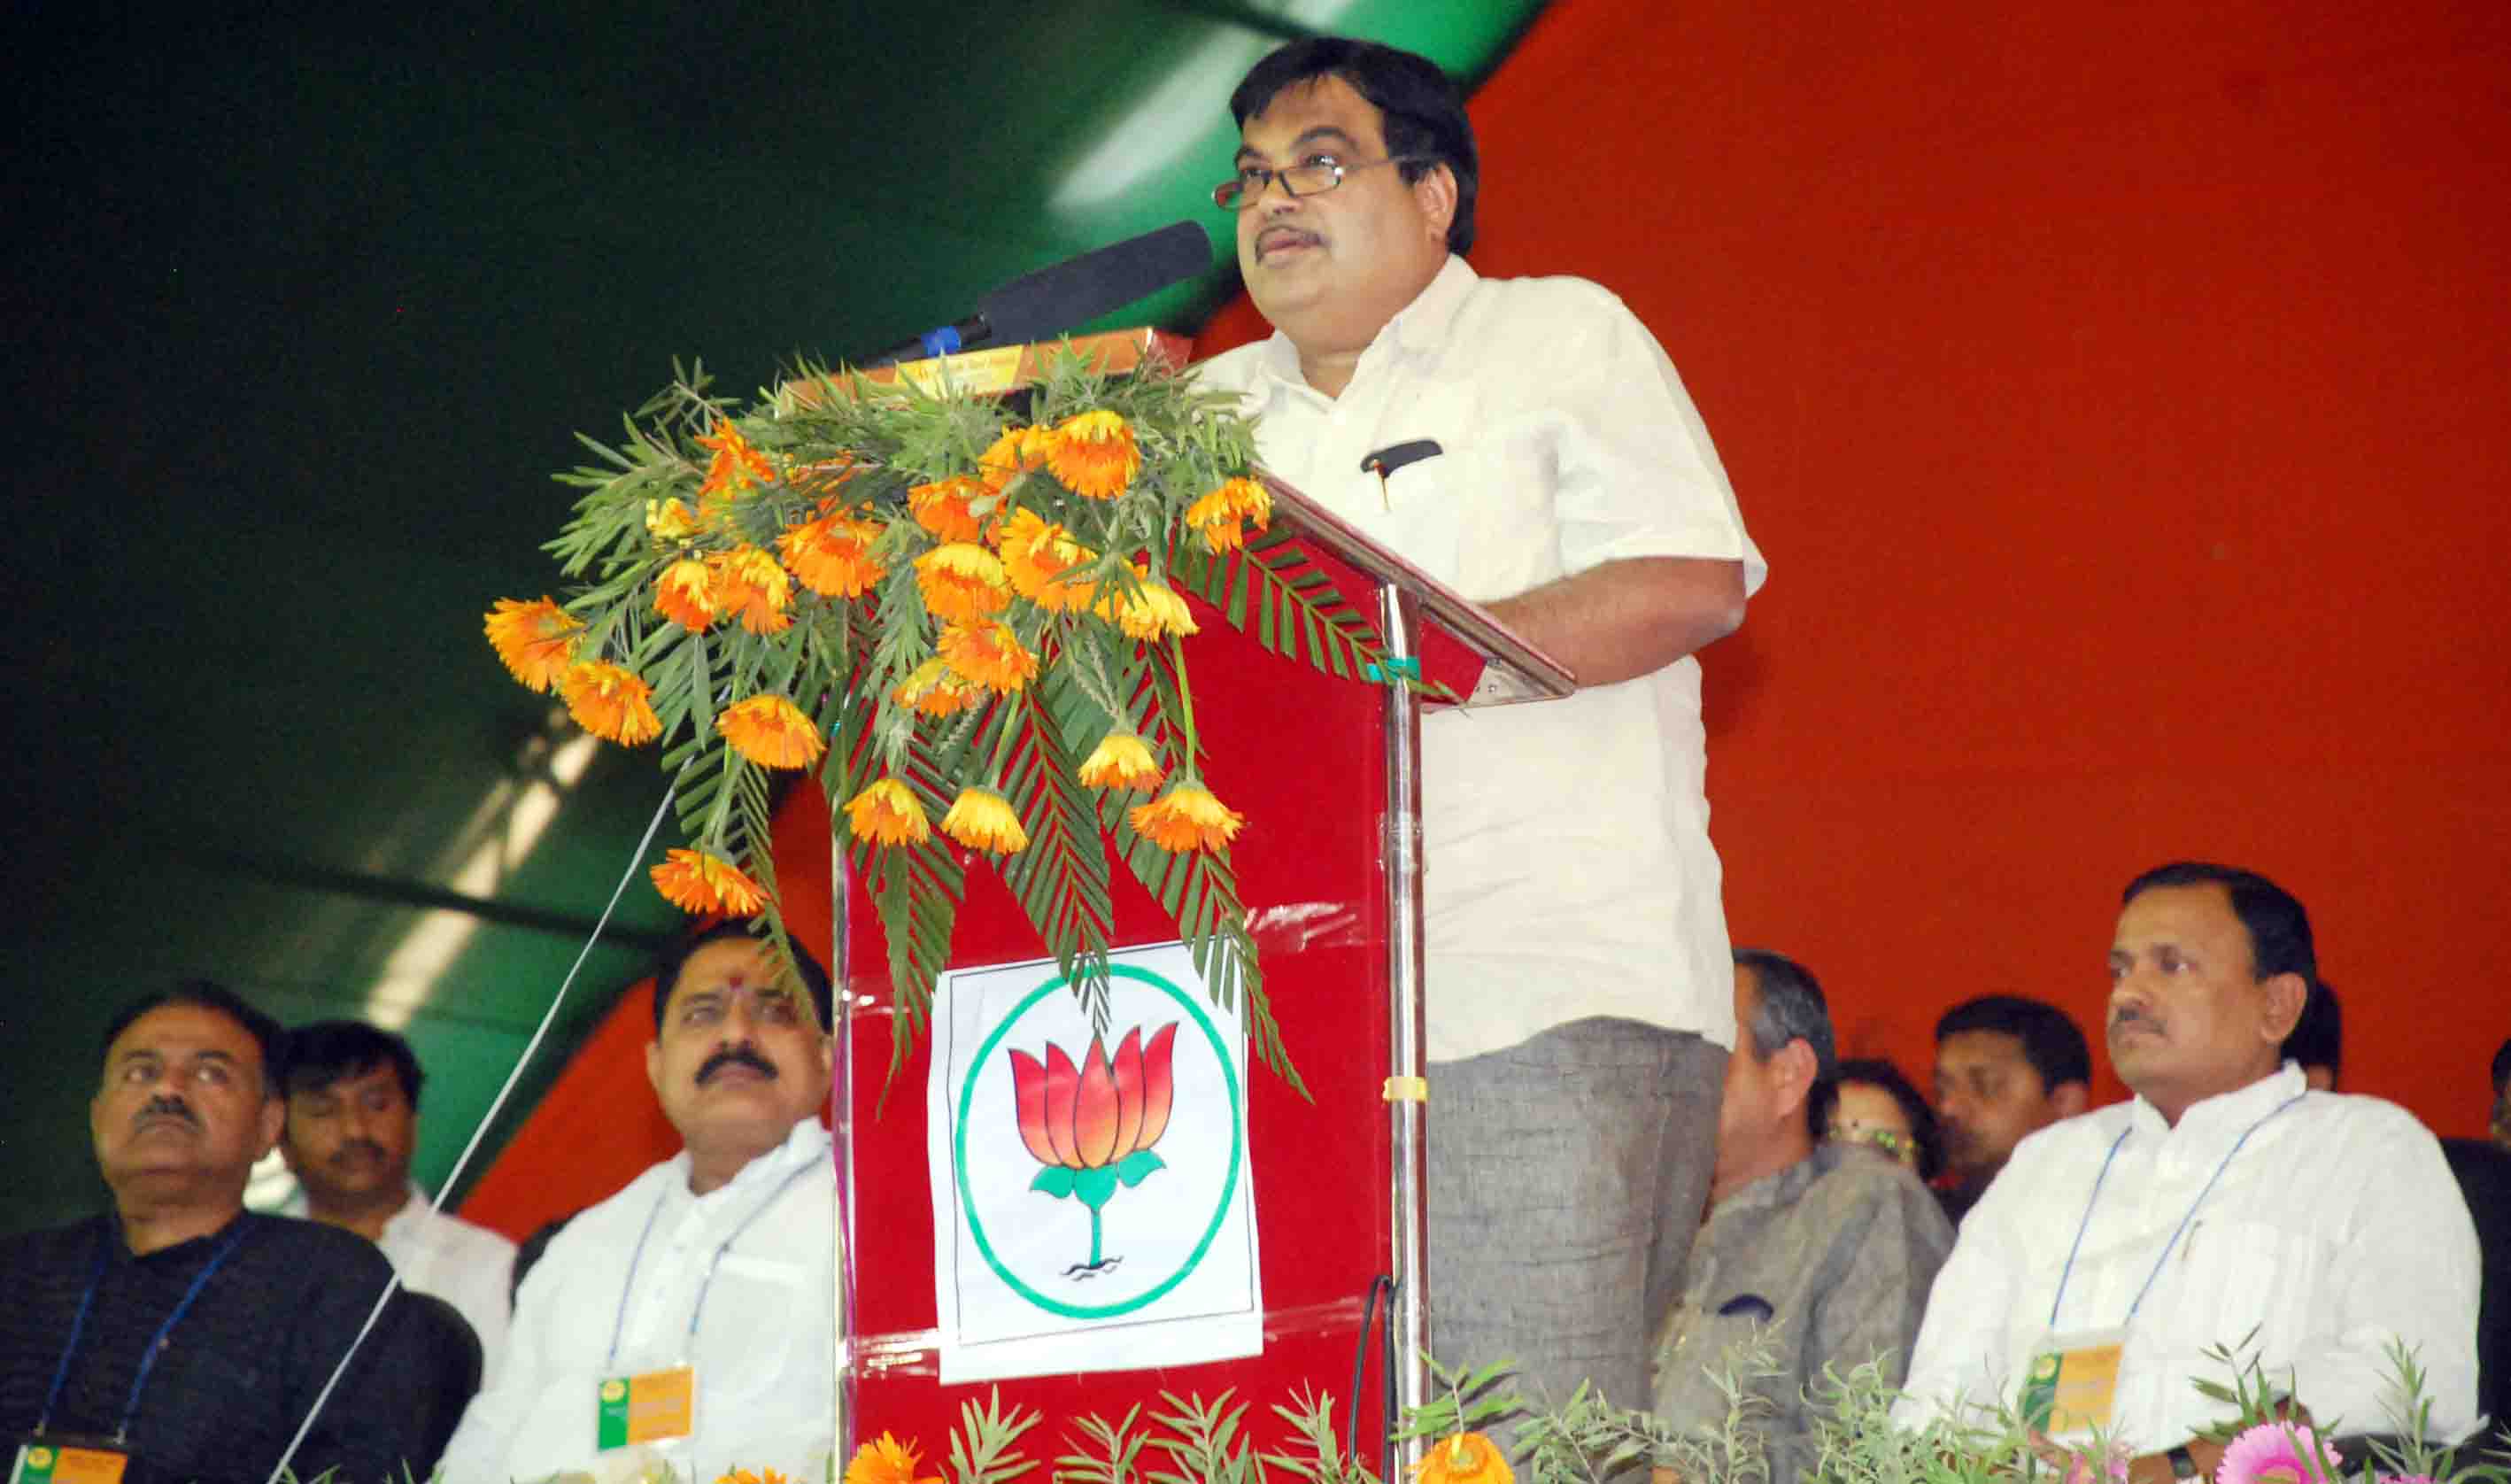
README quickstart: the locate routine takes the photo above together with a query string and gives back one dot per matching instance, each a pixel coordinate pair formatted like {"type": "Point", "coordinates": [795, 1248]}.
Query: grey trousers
{"type": "Point", "coordinates": [1566, 1178]}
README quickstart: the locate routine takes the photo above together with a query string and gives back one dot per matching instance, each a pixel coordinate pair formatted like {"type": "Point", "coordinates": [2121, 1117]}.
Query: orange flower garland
{"type": "Point", "coordinates": [536, 640]}
{"type": "Point", "coordinates": [610, 702]}
{"type": "Point", "coordinates": [1187, 817]}
{"type": "Point", "coordinates": [1224, 515]}
{"type": "Point", "coordinates": [1465, 1458]}
{"type": "Point", "coordinates": [771, 731]}
{"type": "Point", "coordinates": [941, 508]}
{"type": "Point", "coordinates": [986, 652]}
{"type": "Point", "coordinates": [1094, 455]}
{"type": "Point", "coordinates": [961, 581]}
{"type": "Point", "coordinates": [1035, 557]}
{"type": "Point", "coordinates": [684, 594]}
{"type": "Point", "coordinates": [1017, 451]}
{"type": "Point", "coordinates": [832, 556]}
{"type": "Point", "coordinates": [669, 522]}
{"type": "Point", "coordinates": [887, 813]}
{"type": "Point", "coordinates": [736, 465]}
{"type": "Point", "coordinates": [930, 689]}
{"type": "Point", "coordinates": [1121, 760]}
{"type": "Point", "coordinates": [693, 881]}
{"type": "Point", "coordinates": [751, 584]}
{"type": "Point", "coordinates": [984, 820]}
{"type": "Point", "coordinates": [886, 1460]}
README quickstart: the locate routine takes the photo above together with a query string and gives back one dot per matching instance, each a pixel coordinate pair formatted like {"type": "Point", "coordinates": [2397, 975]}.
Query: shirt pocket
{"type": "Point", "coordinates": [768, 1321]}
{"type": "Point", "coordinates": [2246, 1280]}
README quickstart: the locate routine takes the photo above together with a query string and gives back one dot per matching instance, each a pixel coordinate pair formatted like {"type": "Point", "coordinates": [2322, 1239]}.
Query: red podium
{"type": "Point", "coordinates": [1329, 870]}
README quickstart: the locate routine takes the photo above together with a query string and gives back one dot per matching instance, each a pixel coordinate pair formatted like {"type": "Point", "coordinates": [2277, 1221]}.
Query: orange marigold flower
{"type": "Point", "coordinates": [771, 731]}
{"type": "Point", "coordinates": [961, 581]}
{"type": "Point", "coordinates": [693, 881]}
{"type": "Point", "coordinates": [1151, 610]}
{"type": "Point", "coordinates": [1467, 1458]}
{"type": "Point", "coordinates": [984, 652]}
{"type": "Point", "coordinates": [1016, 453]}
{"type": "Point", "coordinates": [536, 640]}
{"type": "Point", "coordinates": [685, 594]}
{"type": "Point", "coordinates": [610, 702]}
{"type": "Point", "coordinates": [887, 813]}
{"type": "Point", "coordinates": [1094, 454]}
{"type": "Point", "coordinates": [750, 583]}
{"type": "Point", "coordinates": [669, 522]}
{"type": "Point", "coordinates": [1035, 557]}
{"type": "Point", "coordinates": [832, 555]}
{"type": "Point", "coordinates": [984, 820]}
{"type": "Point", "coordinates": [1121, 760]}
{"type": "Point", "coordinates": [886, 1460]}
{"type": "Point", "coordinates": [1186, 818]}
{"type": "Point", "coordinates": [1222, 515]}
{"type": "Point", "coordinates": [931, 689]}
{"type": "Point", "coordinates": [941, 508]}
{"type": "Point", "coordinates": [736, 465]}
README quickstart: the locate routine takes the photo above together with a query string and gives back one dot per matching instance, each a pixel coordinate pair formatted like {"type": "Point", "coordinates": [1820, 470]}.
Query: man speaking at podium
{"type": "Point", "coordinates": [1528, 442]}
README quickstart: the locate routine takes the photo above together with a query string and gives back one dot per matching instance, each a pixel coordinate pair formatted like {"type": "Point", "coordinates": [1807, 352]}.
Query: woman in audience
{"type": "Point", "coordinates": [1872, 1103]}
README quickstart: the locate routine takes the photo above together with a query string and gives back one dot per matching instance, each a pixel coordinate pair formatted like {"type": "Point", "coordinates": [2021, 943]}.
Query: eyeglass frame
{"type": "Point", "coordinates": [1248, 199]}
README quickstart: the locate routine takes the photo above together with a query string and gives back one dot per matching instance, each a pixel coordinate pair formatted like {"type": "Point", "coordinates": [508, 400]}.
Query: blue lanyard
{"type": "Point", "coordinates": [2175, 1232]}
{"type": "Point", "coordinates": [156, 1342]}
{"type": "Point", "coordinates": [619, 1324]}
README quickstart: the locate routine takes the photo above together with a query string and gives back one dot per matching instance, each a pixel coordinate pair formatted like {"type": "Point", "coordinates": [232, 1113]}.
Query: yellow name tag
{"type": "Point", "coordinates": [653, 1408]}
{"type": "Point", "coordinates": [51, 1464]}
{"type": "Point", "coordinates": [2073, 1381]}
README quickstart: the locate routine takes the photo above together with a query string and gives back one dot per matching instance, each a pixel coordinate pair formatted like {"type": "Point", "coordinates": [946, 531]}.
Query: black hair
{"type": "Point", "coordinates": [1791, 1008]}
{"type": "Point", "coordinates": [666, 974]}
{"type": "Point", "coordinates": [328, 1050]}
{"type": "Point", "coordinates": [210, 994]}
{"type": "Point", "coordinates": [2503, 1067]}
{"type": "Point", "coordinates": [1875, 1071]}
{"type": "Point", "coordinates": [2051, 1041]}
{"type": "Point", "coordinates": [1423, 112]}
{"type": "Point", "coordinates": [2318, 1037]}
{"type": "Point", "coordinates": [2279, 929]}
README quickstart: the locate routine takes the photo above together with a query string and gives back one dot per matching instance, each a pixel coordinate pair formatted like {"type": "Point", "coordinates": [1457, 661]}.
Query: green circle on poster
{"type": "Point", "coordinates": [1229, 1186]}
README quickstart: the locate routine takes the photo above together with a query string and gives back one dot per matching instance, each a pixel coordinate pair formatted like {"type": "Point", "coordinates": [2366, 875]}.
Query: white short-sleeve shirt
{"type": "Point", "coordinates": [1567, 868]}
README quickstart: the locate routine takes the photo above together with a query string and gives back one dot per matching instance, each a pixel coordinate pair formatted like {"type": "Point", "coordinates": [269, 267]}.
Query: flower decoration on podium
{"type": "Point", "coordinates": [967, 615]}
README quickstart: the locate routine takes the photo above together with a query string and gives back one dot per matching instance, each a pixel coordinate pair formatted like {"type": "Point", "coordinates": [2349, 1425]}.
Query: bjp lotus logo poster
{"type": "Point", "coordinates": [1091, 1205]}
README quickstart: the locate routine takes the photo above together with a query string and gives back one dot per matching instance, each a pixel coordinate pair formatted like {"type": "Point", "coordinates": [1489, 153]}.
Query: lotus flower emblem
{"type": "Point", "coordinates": [1093, 1125]}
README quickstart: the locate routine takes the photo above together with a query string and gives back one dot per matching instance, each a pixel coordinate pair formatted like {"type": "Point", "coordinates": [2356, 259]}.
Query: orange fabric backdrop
{"type": "Point", "coordinates": [2120, 395]}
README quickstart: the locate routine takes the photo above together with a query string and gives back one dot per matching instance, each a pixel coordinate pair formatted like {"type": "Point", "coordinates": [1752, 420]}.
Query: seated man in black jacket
{"type": "Point", "coordinates": [180, 1332]}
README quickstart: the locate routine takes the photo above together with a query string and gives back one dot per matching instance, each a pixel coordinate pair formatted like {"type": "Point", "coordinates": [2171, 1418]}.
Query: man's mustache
{"type": "Point", "coordinates": [2133, 1015]}
{"type": "Point", "coordinates": [742, 1055]}
{"type": "Point", "coordinates": [357, 1149]}
{"type": "Point", "coordinates": [165, 1105]}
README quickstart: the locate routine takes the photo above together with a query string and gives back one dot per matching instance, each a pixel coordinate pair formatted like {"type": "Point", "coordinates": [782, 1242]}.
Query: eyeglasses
{"type": "Point", "coordinates": [1313, 178]}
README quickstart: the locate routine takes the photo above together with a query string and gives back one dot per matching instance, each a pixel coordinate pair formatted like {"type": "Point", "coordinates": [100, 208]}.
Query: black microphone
{"type": "Point", "coordinates": [1045, 303]}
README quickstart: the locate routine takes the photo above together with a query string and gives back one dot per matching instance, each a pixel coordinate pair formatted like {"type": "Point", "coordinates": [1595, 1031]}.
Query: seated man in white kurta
{"type": "Point", "coordinates": [2227, 1200]}
{"type": "Point", "coordinates": [717, 1262]}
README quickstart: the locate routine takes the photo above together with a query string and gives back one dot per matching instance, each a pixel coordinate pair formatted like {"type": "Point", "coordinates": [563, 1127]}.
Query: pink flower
{"type": "Point", "coordinates": [2275, 1453]}
{"type": "Point", "coordinates": [2079, 1466]}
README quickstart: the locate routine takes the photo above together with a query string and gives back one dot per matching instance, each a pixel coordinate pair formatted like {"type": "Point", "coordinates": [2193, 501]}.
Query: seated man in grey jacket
{"type": "Point", "coordinates": [1827, 1249]}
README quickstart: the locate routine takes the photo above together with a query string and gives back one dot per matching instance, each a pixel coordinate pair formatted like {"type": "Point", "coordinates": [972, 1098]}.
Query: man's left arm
{"type": "Point", "coordinates": [1631, 617]}
{"type": "Point", "coordinates": [2411, 1276]}
{"type": "Point", "coordinates": [2377, 1293]}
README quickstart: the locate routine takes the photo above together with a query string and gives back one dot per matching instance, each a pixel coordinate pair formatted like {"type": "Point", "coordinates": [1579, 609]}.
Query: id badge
{"type": "Point", "coordinates": [42, 1461]}
{"type": "Point", "coordinates": [656, 1407]}
{"type": "Point", "coordinates": [2071, 1382]}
